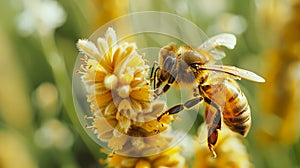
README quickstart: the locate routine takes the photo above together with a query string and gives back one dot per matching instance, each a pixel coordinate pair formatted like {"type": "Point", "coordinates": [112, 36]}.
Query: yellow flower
{"type": "Point", "coordinates": [120, 97]}
{"type": "Point", "coordinates": [169, 158]}
{"type": "Point", "coordinates": [142, 137]}
{"type": "Point", "coordinates": [231, 152]}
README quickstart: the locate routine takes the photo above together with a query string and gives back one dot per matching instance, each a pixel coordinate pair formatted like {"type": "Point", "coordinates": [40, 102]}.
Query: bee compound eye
{"type": "Point", "coordinates": [195, 66]}
{"type": "Point", "coordinates": [168, 64]}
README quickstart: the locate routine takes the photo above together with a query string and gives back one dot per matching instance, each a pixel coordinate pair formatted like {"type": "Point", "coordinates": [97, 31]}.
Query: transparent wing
{"type": "Point", "coordinates": [234, 71]}
{"type": "Point", "coordinates": [212, 44]}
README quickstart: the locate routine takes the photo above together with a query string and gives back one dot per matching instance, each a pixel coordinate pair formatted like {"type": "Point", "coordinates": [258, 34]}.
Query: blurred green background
{"type": "Point", "coordinates": [38, 123]}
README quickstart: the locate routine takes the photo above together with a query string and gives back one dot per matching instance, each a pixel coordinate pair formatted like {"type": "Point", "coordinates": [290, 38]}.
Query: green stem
{"type": "Point", "coordinates": [63, 82]}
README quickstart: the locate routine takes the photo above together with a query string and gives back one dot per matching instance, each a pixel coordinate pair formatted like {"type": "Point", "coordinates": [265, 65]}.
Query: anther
{"type": "Point", "coordinates": [79, 72]}
{"type": "Point", "coordinates": [89, 126]}
{"type": "Point", "coordinates": [88, 117]}
{"type": "Point", "coordinates": [83, 59]}
{"type": "Point", "coordinates": [82, 68]}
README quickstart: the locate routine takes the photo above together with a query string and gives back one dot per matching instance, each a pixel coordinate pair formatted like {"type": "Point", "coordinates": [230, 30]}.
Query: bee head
{"type": "Point", "coordinates": [192, 56]}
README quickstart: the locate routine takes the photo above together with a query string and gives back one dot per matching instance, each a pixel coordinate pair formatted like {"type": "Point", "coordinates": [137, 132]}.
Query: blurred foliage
{"type": "Point", "coordinates": [38, 123]}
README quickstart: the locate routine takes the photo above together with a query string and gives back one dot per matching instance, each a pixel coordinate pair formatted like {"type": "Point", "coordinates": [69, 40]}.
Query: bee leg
{"type": "Point", "coordinates": [157, 73]}
{"type": "Point", "coordinates": [168, 85]}
{"type": "Point", "coordinates": [154, 66]}
{"type": "Point", "coordinates": [213, 120]}
{"type": "Point", "coordinates": [153, 73]}
{"type": "Point", "coordinates": [180, 107]}
{"type": "Point", "coordinates": [213, 135]}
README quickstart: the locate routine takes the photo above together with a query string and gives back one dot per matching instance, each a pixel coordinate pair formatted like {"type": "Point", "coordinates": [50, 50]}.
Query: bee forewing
{"type": "Point", "coordinates": [202, 133]}
{"type": "Point", "coordinates": [234, 71]}
{"type": "Point", "coordinates": [212, 44]}
{"type": "Point", "coordinates": [224, 39]}
{"type": "Point", "coordinates": [217, 53]}
{"type": "Point", "coordinates": [250, 75]}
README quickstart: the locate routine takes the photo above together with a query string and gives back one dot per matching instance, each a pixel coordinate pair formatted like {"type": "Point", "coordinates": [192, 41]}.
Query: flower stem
{"type": "Point", "coordinates": [63, 82]}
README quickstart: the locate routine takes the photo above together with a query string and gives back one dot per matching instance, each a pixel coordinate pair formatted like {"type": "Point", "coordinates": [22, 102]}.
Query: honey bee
{"type": "Point", "coordinates": [212, 84]}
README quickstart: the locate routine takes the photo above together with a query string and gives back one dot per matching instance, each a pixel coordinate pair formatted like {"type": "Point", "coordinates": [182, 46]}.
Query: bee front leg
{"type": "Point", "coordinates": [166, 86]}
{"type": "Point", "coordinates": [180, 107]}
{"type": "Point", "coordinates": [153, 75]}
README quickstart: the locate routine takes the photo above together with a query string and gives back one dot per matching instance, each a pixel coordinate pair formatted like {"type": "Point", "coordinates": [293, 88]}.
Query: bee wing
{"type": "Point", "coordinates": [202, 133]}
{"type": "Point", "coordinates": [234, 71]}
{"type": "Point", "coordinates": [212, 44]}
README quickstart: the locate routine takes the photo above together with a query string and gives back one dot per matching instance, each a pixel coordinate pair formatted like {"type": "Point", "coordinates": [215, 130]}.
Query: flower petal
{"type": "Point", "coordinates": [99, 76]}
{"type": "Point", "coordinates": [111, 36]}
{"type": "Point", "coordinates": [100, 100]}
{"type": "Point", "coordinates": [88, 48]}
{"type": "Point", "coordinates": [110, 110]}
{"type": "Point", "coordinates": [136, 61]}
{"type": "Point", "coordinates": [124, 123]}
{"type": "Point", "coordinates": [103, 124]}
{"type": "Point", "coordinates": [120, 62]}
{"type": "Point", "coordinates": [141, 93]}
{"type": "Point", "coordinates": [117, 143]}
{"type": "Point", "coordinates": [102, 46]}
{"type": "Point", "coordinates": [105, 136]}
{"type": "Point", "coordinates": [99, 88]}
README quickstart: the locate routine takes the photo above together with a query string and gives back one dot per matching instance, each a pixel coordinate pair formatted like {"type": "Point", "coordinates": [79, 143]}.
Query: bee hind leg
{"type": "Point", "coordinates": [212, 140]}
{"type": "Point", "coordinates": [213, 134]}
{"type": "Point", "coordinates": [213, 121]}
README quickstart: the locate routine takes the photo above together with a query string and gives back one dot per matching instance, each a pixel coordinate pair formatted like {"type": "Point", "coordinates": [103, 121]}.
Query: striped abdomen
{"type": "Point", "coordinates": [233, 104]}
